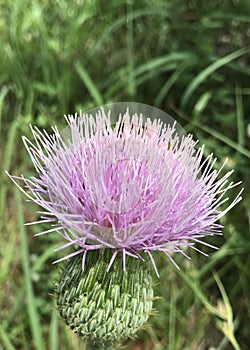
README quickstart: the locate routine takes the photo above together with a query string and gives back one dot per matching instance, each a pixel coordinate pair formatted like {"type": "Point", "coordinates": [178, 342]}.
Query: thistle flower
{"type": "Point", "coordinates": [133, 188]}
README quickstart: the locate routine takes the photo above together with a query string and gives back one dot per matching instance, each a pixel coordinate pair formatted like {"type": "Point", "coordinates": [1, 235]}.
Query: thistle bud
{"type": "Point", "coordinates": [104, 306]}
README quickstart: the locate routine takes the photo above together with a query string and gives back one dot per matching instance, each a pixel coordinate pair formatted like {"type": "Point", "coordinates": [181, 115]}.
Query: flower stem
{"type": "Point", "coordinates": [89, 345]}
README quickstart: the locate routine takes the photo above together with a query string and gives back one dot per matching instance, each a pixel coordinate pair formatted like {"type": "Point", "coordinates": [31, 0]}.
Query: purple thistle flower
{"type": "Point", "coordinates": [135, 187]}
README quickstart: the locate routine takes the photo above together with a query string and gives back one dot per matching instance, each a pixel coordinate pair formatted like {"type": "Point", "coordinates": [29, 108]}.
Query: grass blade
{"type": "Point", "coordinates": [204, 74]}
{"type": "Point", "coordinates": [53, 336]}
{"type": "Point", "coordinates": [3, 93]}
{"type": "Point", "coordinates": [5, 340]}
{"type": "Point", "coordinates": [169, 83]}
{"type": "Point", "coordinates": [216, 134]}
{"type": "Point", "coordinates": [9, 249]}
{"type": "Point", "coordinates": [160, 62]}
{"type": "Point", "coordinates": [130, 49]}
{"type": "Point", "coordinates": [240, 117]}
{"type": "Point", "coordinates": [88, 82]}
{"type": "Point", "coordinates": [226, 140]}
{"type": "Point", "coordinates": [194, 285]}
{"type": "Point", "coordinates": [10, 145]}
{"type": "Point", "coordinates": [8, 153]}
{"type": "Point", "coordinates": [31, 304]}
{"type": "Point", "coordinates": [226, 326]}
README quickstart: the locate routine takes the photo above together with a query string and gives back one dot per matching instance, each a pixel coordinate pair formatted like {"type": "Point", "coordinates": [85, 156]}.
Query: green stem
{"type": "Point", "coordinates": [89, 345]}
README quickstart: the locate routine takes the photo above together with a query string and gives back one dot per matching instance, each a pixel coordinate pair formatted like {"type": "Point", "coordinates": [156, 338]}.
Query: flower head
{"type": "Point", "coordinates": [133, 186]}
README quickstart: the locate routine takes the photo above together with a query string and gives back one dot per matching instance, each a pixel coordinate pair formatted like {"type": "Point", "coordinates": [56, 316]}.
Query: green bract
{"type": "Point", "coordinates": [105, 307]}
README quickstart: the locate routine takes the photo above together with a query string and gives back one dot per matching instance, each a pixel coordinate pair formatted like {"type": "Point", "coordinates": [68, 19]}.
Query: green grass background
{"type": "Point", "coordinates": [189, 58]}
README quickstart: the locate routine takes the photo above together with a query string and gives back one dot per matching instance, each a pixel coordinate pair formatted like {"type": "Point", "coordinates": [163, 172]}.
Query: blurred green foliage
{"type": "Point", "coordinates": [189, 58]}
